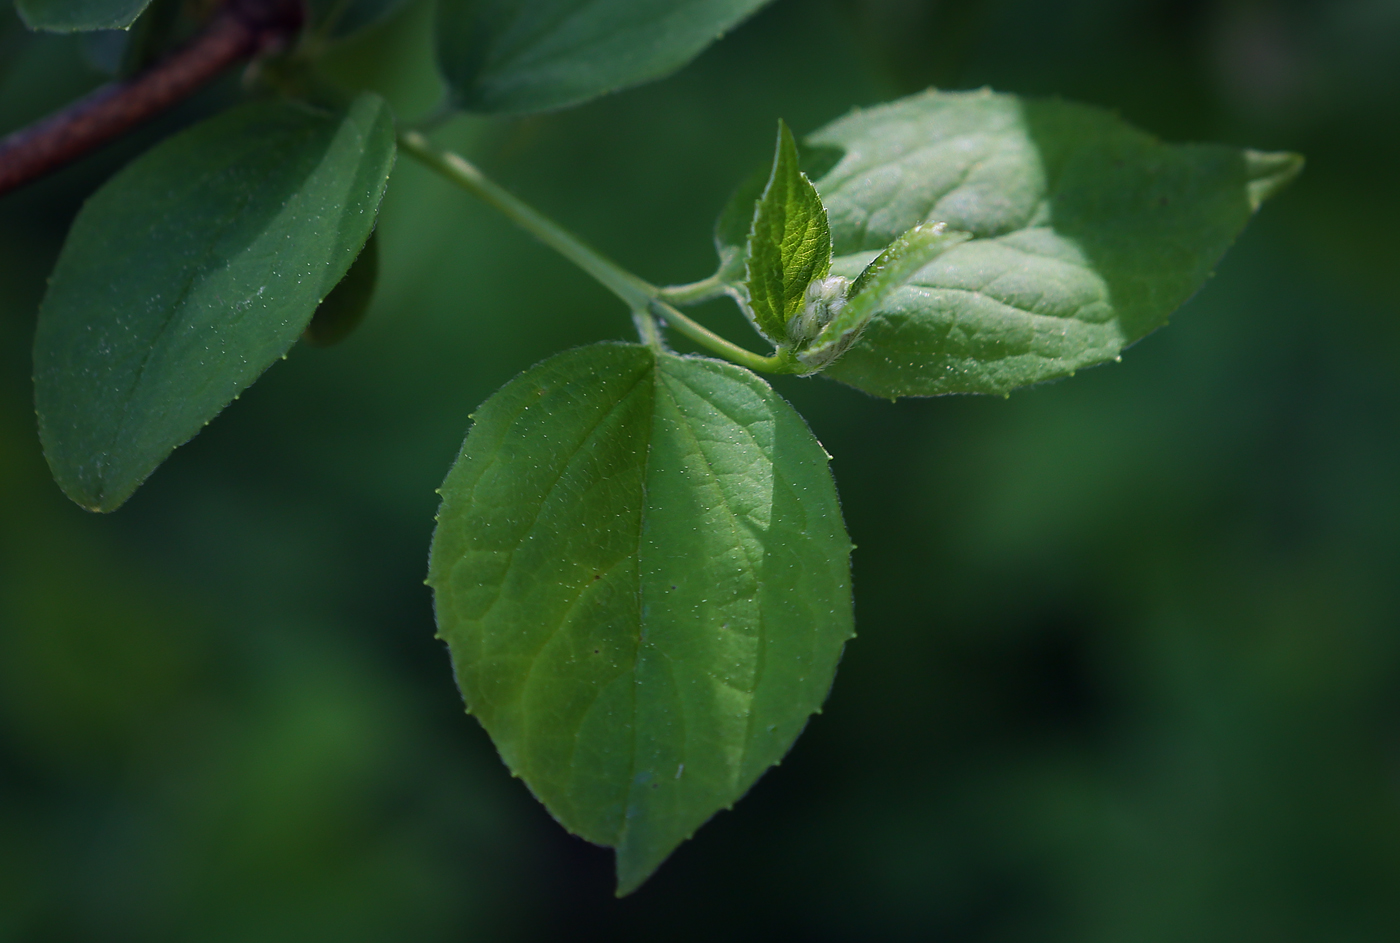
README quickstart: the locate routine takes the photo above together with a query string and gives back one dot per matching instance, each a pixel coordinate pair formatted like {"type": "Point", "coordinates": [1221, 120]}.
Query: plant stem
{"type": "Point", "coordinates": [637, 293]}
{"type": "Point", "coordinates": [727, 349]}
{"type": "Point", "coordinates": [641, 296]}
{"type": "Point", "coordinates": [647, 329]}
{"type": "Point", "coordinates": [694, 292]}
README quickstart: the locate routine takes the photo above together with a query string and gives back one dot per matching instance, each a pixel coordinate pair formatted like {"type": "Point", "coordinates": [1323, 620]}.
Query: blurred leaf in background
{"type": "Point", "coordinates": [1127, 662]}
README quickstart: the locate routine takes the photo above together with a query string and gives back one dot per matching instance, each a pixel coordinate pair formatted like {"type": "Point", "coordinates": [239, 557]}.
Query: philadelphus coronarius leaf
{"type": "Point", "coordinates": [517, 56]}
{"type": "Point", "coordinates": [191, 272]}
{"type": "Point", "coordinates": [789, 244]}
{"type": "Point", "coordinates": [344, 308]}
{"type": "Point", "coordinates": [1088, 234]}
{"type": "Point", "coordinates": [642, 573]}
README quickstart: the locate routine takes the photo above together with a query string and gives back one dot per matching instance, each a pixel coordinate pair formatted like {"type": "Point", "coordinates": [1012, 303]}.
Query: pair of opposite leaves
{"type": "Point", "coordinates": [640, 565]}
{"type": "Point", "coordinates": [499, 56]}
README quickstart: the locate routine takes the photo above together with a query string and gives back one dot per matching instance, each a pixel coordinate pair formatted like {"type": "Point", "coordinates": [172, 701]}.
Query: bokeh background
{"type": "Point", "coordinates": [1128, 665]}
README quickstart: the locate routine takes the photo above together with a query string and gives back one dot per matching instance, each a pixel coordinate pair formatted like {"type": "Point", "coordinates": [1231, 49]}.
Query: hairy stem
{"type": "Point", "coordinates": [641, 296]}
{"type": "Point", "coordinates": [240, 30]}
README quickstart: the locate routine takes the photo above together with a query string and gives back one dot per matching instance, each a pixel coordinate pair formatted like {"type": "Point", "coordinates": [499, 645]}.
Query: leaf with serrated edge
{"type": "Point", "coordinates": [731, 233]}
{"type": "Point", "coordinates": [1089, 233]}
{"type": "Point", "coordinates": [789, 243]}
{"type": "Point", "coordinates": [642, 574]}
{"type": "Point", "coordinates": [71, 16]}
{"type": "Point", "coordinates": [189, 273]}
{"type": "Point", "coordinates": [518, 56]}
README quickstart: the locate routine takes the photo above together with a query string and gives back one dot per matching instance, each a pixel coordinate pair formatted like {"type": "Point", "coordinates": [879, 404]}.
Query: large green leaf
{"type": "Point", "coordinates": [1089, 234]}
{"type": "Point", "coordinates": [68, 16]}
{"type": "Point", "coordinates": [190, 273]}
{"type": "Point", "coordinates": [514, 56]}
{"type": "Point", "coordinates": [789, 243]}
{"type": "Point", "coordinates": [642, 574]}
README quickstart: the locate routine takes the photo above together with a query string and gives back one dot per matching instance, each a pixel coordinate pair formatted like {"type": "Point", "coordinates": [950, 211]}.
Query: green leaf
{"type": "Point", "coordinates": [69, 16]}
{"type": "Point", "coordinates": [736, 218]}
{"type": "Point", "coordinates": [344, 308]}
{"type": "Point", "coordinates": [1089, 233]}
{"type": "Point", "coordinates": [890, 271]}
{"type": "Point", "coordinates": [789, 244]}
{"type": "Point", "coordinates": [517, 56]}
{"type": "Point", "coordinates": [642, 574]}
{"type": "Point", "coordinates": [190, 273]}
{"type": "Point", "coordinates": [336, 18]}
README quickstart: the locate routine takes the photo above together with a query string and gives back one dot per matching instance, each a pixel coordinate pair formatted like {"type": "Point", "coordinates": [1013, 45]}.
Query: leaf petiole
{"type": "Point", "coordinates": [778, 363]}
{"type": "Point", "coordinates": [693, 293]}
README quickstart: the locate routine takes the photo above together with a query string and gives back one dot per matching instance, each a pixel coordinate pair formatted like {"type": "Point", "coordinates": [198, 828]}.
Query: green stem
{"type": "Point", "coordinates": [642, 297]}
{"type": "Point", "coordinates": [634, 291]}
{"type": "Point", "coordinates": [695, 292]}
{"type": "Point", "coordinates": [646, 327]}
{"type": "Point", "coordinates": [725, 348]}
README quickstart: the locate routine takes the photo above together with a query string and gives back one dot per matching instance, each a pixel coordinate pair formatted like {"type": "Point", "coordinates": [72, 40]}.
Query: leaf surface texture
{"type": "Point", "coordinates": [789, 244]}
{"type": "Point", "coordinates": [192, 271]}
{"type": "Point", "coordinates": [642, 573]}
{"type": "Point", "coordinates": [516, 56]}
{"type": "Point", "coordinates": [1088, 234]}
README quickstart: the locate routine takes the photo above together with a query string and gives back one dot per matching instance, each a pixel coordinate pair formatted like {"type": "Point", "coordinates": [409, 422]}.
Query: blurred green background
{"type": "Point", "coordinates": [1128, 665]}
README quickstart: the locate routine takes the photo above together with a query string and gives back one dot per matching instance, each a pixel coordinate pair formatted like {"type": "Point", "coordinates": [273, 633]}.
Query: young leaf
{"type": "Point", "coordinates": [642, 574]}
{"type": "Point", "coordinates": [735, 220]}
{"type": "Point", "coordinates": [1089, 233]}
{"type": "Point", "coordinates": [190, 273]}
{"type": "Point", "coordinates": [789, 243]}
{"type": "Point", "coordinates": [517, 56]}
{"type": "Point", "coordinates": [890, 271]}
{"type": "Point", "coordinates": [69, 16]}
{"type": "Point", "coordinates": [344, 308]}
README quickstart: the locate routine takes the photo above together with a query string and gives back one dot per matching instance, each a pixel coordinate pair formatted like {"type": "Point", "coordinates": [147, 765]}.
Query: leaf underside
{"type": "Point", "coordinates": [69, 16]}
{"type": "Point", "coordinates": [1088, 234]}
{"type": "Point", "coordinates": [519, 56]}
{"type": "Point", "coordinates": [642, 573]}
{"type": "Point", "coordinates": [191, 272]}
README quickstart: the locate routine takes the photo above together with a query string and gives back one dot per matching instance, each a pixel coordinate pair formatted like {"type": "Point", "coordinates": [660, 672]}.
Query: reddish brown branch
{"type": "Point", "coordinates": [238, 31]}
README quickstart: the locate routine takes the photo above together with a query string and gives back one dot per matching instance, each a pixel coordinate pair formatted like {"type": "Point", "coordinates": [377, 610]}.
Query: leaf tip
{"type": "Point", "coordinates": [1268, 172]}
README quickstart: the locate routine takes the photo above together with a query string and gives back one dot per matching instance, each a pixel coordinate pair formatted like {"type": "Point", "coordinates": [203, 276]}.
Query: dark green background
{"type": "Point", "coordinates": [1128, 666]}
